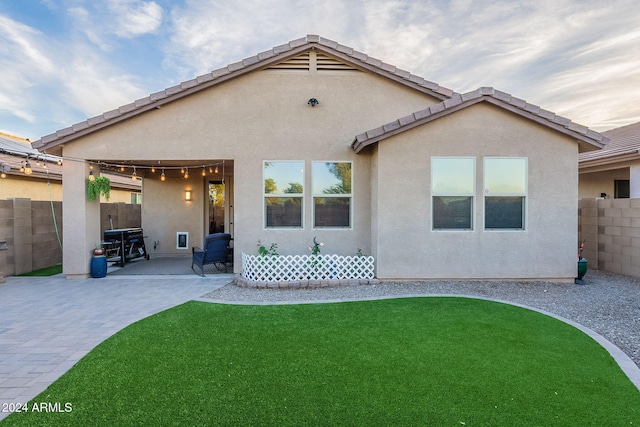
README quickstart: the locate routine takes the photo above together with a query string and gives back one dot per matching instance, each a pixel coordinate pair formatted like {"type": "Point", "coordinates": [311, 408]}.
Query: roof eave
{"type": "Point", "coordinates": [102, 121]}
{"type": "Point", "coordinates": [247, 65]}
{"type": "Point", "coordinates": [609, 162]}
{"type": "Point", "coordinates": [587, 139]}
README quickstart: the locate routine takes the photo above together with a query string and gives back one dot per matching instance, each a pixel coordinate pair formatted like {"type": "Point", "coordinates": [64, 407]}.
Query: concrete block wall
{"type": "Point", "coordinates": [611, 231]}
{"type": "Point", "coordinates": [45, 247]}
{"type": "Point", "coordinates": [120, 215]}
{"type": "Point", "coordinates": [6, 234]}
{"type": "Point", "coordinates": [29, 229]}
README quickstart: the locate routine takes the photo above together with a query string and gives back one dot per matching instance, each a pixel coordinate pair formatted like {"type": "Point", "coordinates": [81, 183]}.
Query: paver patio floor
{"type": "Point", "coordinates": [48, 323]}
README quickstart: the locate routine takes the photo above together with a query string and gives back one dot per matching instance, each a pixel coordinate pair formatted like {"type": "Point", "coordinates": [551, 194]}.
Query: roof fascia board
{"type": "Point", "coordinates": [360, 145]}
{"type": "Point", "coordinates": [380, 70]}
{"type": "Point", "coordinates": [260, 61]}
{"type": "Point", "coordinates": [161, 101]}
{"type": "Point", "coordinates": [607, 163]}
{"type": "Point", "coordinates": [545, 122]}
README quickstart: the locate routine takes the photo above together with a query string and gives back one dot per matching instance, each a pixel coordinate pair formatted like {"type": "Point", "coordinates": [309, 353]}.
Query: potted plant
{"type": "Point", "coordinates": [98, 262]}
{"type": "Point", "coordinates": [98, 186]}
{"type": "Point", "coordinates": [582, 266]}
{"type": "Point", "coordinates": [99, 250]}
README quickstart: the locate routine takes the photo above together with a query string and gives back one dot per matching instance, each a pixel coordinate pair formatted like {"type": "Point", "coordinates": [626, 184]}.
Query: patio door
{"type": "Point", "coordinates": [218, 221]}
{"type": "Point", "coordinates": [220, 209]}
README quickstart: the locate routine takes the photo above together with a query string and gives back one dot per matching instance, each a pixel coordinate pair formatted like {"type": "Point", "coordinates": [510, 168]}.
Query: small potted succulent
{"type": "Point", "coordinates": [98, 250]}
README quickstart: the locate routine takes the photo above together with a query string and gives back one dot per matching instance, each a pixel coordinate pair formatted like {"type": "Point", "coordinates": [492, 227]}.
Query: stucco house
{"type": "Point", "coordinates": [314, 139]}
{"type": "Point", "coordinates": [614, 171]}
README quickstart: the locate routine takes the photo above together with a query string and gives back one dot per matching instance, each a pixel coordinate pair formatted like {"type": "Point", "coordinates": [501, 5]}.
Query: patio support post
{"type": "Point", "coordinates": [81, 220]}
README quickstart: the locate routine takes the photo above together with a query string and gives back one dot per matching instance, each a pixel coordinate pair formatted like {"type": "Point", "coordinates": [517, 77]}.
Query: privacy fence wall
{"type": "Point", "coordinates": [29, 230]}
{"type": "Point", "coordinates": [610, 229]}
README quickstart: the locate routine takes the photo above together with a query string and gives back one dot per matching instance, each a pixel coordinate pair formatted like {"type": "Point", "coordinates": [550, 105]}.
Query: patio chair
{"type": "Point", "coordinates": [216, 250]}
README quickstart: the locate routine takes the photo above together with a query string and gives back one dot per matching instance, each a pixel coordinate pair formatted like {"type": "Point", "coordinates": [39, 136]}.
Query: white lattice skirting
{"type": "Point", "coordinates": [303, 268]}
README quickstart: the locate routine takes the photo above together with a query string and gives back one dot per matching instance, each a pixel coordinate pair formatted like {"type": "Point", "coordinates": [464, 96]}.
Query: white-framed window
{"type": "Point", "coordinates": [505, 193]}
{"type": "Point", "coordinates": [283, 186]}
{"type": "Point", "coordinates": [332, 194]}
{"type": "Point", "coordinates": [453, 183]}
{"type": "Point", "coordinates": [136, 198]}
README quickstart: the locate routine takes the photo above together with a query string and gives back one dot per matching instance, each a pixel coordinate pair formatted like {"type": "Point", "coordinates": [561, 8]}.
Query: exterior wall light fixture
{"type": "Point", "coordinates": [187, 195]}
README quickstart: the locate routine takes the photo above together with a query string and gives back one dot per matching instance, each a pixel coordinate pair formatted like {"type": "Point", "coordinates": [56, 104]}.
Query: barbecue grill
{"type": "Point", "coordinates": [124, 244]}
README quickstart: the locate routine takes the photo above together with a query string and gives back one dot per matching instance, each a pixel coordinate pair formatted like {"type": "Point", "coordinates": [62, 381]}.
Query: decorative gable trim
{"type": "Point", "coordinates": [299, 62]}
{"type": "Point", "coordinates": [484, 94]}
{"type": "Point", "coordinates": [314, 61]}
{"type": "Point", "coordinates": [326, 62]}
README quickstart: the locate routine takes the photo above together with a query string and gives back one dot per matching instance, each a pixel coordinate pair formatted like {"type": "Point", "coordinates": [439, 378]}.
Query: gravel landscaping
{"type": "Point", "coordinates": [608, 304]}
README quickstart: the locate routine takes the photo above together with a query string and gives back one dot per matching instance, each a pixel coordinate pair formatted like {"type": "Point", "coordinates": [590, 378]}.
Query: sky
{"type": "Point", "coordinates": [63, 61]}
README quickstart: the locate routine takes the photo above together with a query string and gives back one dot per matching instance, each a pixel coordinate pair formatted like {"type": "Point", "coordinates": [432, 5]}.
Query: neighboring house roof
{"type": "Point", "coordinates": [256, 62]}
{"type": "Point", "coordinates": [591, 139]}
{"type": "Point", "coordinates": [14, 151]}
{"type": "Point", "coordinates": [14, 144]}
{"type": "Point", "coordinates": [624, 146]}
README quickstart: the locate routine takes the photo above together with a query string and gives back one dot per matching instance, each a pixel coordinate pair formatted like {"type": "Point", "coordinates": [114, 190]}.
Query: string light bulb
{"type": "Point", "coordinates": [162, 177]}
{"type": "Point", "coordinates": [186, 173]}
{"type": "Point", "coordinates": [91, 176]}
{"type": "Point", "coordinates": [204, 173]}
{"type": "Point", "coordinates": [59, 162]}
{"type": "Point", "coordinates": [134, 176]}
{"type": "Point", "coordinates": [153, 169]}
{"type": "Point", "coordinates": [27, 168]}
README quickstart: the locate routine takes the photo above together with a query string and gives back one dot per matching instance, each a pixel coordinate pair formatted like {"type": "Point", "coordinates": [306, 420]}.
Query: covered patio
{"type": "Point", "coordinates": [162, 266]}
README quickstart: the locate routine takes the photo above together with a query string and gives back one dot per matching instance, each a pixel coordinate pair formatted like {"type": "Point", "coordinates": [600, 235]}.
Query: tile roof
{"type": "Point", "coordinates": [483, 94]}
{"type": "Point", "coordinates": [259, 61]}
{"type": "Point", "coordinates": [624, 145]}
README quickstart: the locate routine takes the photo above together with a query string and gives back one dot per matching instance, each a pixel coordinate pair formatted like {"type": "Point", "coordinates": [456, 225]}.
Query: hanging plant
{"type": "Point", "coordinates": [100, 186]}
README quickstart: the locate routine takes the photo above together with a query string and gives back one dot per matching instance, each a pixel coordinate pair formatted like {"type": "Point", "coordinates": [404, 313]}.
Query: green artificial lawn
{"type": "Point", "coordinates": [420, 361]}
{"type": "Point", "coordinates": [48, 271]}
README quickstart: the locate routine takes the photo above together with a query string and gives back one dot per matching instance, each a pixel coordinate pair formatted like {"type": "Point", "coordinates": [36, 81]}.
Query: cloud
{"type": "Point", "coordinates": [575, 57]}
{"type": "Point", "coordinates": [100, 21]}
{"type": "Point", "coordinates": [21, 46]}
{"type": "Point", "coordinates": [209, 35]}
{"type": "Point", "coordinates": [50, 83]}
{"type": "Point", "coordinates": [25, 65]}
{"type": "Point", "coordinates": [134, 18]}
